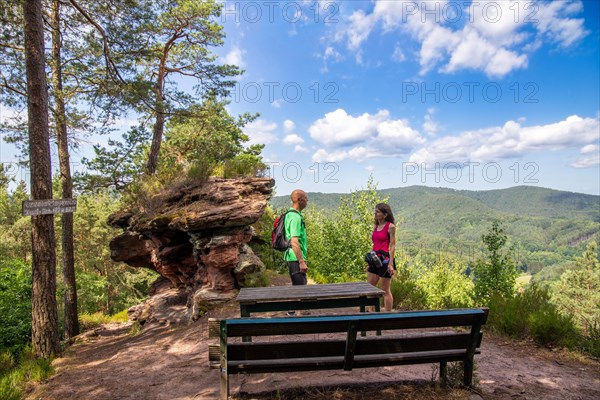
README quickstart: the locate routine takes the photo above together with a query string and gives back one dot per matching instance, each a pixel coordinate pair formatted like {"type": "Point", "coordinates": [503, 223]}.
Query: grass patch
{"type": "Point", "coordinates": [91, 321]}
{"type": "Point", "coordinates": [16, 372]}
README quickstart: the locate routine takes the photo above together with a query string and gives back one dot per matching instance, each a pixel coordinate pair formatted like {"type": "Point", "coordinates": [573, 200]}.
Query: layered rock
{"type": "Point", "coordinates": [195, 235]}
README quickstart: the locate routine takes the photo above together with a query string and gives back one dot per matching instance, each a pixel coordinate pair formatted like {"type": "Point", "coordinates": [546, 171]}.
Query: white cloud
{"type": "Point", "coordinates": [261, 131]}
{"type": "Point", "coordinates": [430, 126]}
{"type": "Point", "coordinates": [591, 157]}
{"type": "Point", "coordinates": [396, 137]}
{"type": "Point", "coordinates": [552, 22]}
{"type": "Point", "coordinates": [510, 140]}
{"type": "Point", "coordinates": [289, 126]}
{"type": "Point", "coordinates": [332, 53]}
{"type": "Point", "coordinates": [398, 54]}
{"type": "Point", "coordinates": [322, 155]}
{"type": "Point", "coordinates": [590, 148]}
{"type": "Point", "coordinates": [475, 52]}
{"type": "Point", "coordinates": [300, 149]}
{"type": "Point", "coordinates": [361, 24]}
{"type": "Point", "coordinates": [338, 128]}
{"type": "Point", "coordinates": [491, 36]}
{"type": "Point", "coordinates": [293, 139]}
{"type": "Point", "coordinates": [362, 137]}
{"type": "Point", "coordinates": [236, 57]}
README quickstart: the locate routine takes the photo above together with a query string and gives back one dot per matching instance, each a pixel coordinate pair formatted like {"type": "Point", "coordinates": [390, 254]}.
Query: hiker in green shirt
{"type": "Point", "coordinates": [295, 256]}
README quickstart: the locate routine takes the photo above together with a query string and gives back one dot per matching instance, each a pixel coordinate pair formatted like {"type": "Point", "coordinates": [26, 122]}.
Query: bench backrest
{"type": "Point", "coordinates": [238, 327]}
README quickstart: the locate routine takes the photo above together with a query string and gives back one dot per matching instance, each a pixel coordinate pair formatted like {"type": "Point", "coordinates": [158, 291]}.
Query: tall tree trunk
{"type": "Point", "coordinates": [159, 125]}
{"type": "Point", "coordinates": [45, 338]}
{"type": "Point", "coordinates": [66, 181]}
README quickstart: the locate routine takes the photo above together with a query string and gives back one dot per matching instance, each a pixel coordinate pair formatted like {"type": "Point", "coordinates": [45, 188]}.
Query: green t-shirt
{"type": "Point", "coordinates": [294, 226]}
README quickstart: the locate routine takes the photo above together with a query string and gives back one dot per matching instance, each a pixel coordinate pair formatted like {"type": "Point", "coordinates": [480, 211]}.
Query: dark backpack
{"type": "Point", "coordinates": [278, 240]}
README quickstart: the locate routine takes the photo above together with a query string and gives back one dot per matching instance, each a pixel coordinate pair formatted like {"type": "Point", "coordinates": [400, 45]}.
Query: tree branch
{"type": "Point", "coordinates": [109, 62]}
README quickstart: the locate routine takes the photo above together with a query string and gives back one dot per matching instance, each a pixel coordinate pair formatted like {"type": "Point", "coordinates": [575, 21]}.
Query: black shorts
{"type": "Point", "coordinates": [298, 278]}
{"type": "Point", "coordinates": [382, 271]}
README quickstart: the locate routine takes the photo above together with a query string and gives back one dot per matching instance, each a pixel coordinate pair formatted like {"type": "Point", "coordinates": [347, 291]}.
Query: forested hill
{"type": "Point", "coordinates": [547, 227]}
{"type": "Point", "coordinates": [520, 200]}
{"type": "Point", "coordinates": [530, 200]}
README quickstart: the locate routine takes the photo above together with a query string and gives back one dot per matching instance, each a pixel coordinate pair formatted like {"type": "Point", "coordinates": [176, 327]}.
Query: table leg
{"type": "Point", "coordinates": [244, 312]}
{"type": "Point", "coordinates": [362, 310]}
{"type": "Point", "coordinates": [378, 309]}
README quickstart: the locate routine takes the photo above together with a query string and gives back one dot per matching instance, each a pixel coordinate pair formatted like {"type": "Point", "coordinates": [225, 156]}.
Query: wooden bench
{"type": "Point", "coordinates": [413, 337]}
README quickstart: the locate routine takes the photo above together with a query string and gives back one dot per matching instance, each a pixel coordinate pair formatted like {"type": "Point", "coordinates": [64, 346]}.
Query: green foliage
{"type": "Point", "coordinates": [90, 321]}
{"type": "Point", "coordinates": [207, 138]}
{"type": "Point", "coordinates": [446, 285]}
{"type": "Point", "coordinates": [261, 245]}
{"type": "Point", "coordinates": [257, 279]}
{"type": "Point", "coordinates": [15, 229]}
{"type": "Point", "coordinates": [591, 342]}
{"type": "Point", "coordinates": [495, 275]}
{"type": "Point", "coordinates": [408, 295]}
{"type": "Point", "coordinates": [249, 163]}
{"type": "Point", "coordinates": [338, 241]}
{"type": "Point", "coordinates": [17, 374]}
{"type": "Point", "coordinates": [102, 284]}
{"type": "Point", "coordinates": [530, 313]}
{"type": "Point", "coordinates": [553, 329]}
{"type": "Point", "coordinates": [116, 166]}
{"type": "Point", "coordinates": [577, 293]}
{"type": "Point", "coordinates": [15, 305]}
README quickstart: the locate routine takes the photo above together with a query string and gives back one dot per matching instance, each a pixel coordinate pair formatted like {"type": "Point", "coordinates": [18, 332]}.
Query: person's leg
{"type": "Point", "coordinates": [388, 299]}
{"type": "Point", "coordinates": [373, 279]}
{"type": "Point", "coordinates": [297, 277]}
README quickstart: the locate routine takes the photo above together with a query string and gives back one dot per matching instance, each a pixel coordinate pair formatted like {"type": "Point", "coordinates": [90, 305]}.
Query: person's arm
{"type": "Point", "coordinates": [392, 233]}
{"type": "Point", "coordinates": [298, 252]}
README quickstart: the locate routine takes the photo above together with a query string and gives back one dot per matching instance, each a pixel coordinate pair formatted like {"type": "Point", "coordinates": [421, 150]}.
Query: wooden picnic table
{"type": "Point", "coordinates": [307, 297]}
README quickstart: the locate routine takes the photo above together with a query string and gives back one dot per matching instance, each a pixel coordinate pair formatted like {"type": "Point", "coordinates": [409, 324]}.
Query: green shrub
{"type": "Point", "coordinates": [337, 241]}
{"type": "Point", "coordinates": [407, 294]}
{"type": "Point", "coordinates": [530, 313]}
{"type": "Point", "coordinates": [591, 343]}
{"type": "Point", "coordinates": [549, 328]}
{"type": "Point", "coordinates": [506, 317]}
{"type": "Point", "coordinates": [200, 170]}
{"type": "Point", "coordinates": [446, 285]}
{"type": "Point", "coordinates": [7, 362]}
{"type": "Point", "coordinates": [15, 305]}
{"type": "Point", "coordinates": [496, 274]}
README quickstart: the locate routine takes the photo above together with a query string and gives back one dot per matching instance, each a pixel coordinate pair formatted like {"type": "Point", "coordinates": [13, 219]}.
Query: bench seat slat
{"type": "Point", "coordinates": [325, 363]}
{"type": "Point", "coordinates": [331, 347]}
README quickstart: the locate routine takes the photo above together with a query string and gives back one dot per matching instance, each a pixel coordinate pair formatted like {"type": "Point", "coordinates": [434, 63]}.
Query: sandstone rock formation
{"type": "Point", "coordinates": [195, 235]}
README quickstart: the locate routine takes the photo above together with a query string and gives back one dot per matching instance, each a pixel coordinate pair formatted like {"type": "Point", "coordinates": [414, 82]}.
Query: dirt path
{"type": "Point", "coordinates": [171, 363]}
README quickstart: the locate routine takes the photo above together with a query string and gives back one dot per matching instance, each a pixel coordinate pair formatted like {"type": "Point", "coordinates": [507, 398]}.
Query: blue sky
{"type": "Point", "coordinates": [469, 95]}
{"type": "Point", "coordinates": [474, 95]}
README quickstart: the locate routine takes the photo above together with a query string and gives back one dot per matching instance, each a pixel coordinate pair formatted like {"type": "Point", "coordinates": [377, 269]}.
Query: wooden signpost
{"type": "Point", "coordinates": [50, 206]}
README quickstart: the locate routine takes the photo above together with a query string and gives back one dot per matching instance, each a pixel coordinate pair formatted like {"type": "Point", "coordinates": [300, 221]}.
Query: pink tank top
{"type": "Point", "coordinates": [381, 239]}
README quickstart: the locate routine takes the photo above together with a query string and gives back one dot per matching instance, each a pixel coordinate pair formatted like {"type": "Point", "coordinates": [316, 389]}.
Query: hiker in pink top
{"type": "Point", "coordinates": [384, 245]}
